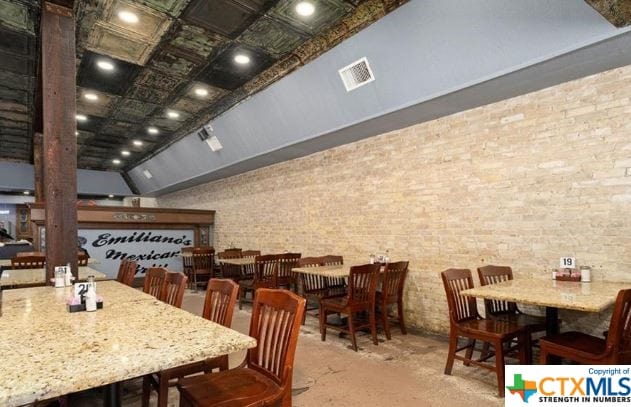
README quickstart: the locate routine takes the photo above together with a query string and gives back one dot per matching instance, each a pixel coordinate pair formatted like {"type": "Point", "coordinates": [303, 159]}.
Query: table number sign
{"type": "Point", "coordinates": [567, 263]}
{"type": "Point", "coordinates": [81, 289]}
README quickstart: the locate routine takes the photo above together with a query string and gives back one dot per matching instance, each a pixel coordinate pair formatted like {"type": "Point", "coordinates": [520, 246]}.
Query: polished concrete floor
{"type": "Point", "coordinates": [405, 371]}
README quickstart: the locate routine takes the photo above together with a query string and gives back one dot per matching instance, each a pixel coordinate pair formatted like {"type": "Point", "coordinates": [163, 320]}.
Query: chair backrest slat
{"type": "Point", "coordinates": [266, 270]}
{"type": "Point", "coordinates": [275, 325]}
{"type": "Point", "coordinates": [173, 289]}
{"type": "Point", "coordinates": [460, 307]}
{"type": "Point", "coordinates": [311, 282]}
{"type": "Point", "coordinates": [154, 279]}
{"type": "Point", "coordinates": [203, 260]}
{"type": "Point", "coordinates": [127, 272]}
{"type": "Point", "coordinates": [334, 260]}
{"type": "Point", "coordinates": [221, 296]}
{"type": "Point", "coordinates": [28, 262]}
{"type": "Point", "coordinates": [394, 279]}
{"type": "Point", "coordinates": [286, 262]}
{"type": "Point", "coordinates": [492, 275]}
{"type": "Point", "coordinates": [362, 284]}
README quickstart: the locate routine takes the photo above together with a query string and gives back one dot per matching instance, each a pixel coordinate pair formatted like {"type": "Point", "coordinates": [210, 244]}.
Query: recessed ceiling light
{"type": "Point", "coordinates": [116, 161]}
{"type": "Point", "coordinates": [125, 153]}
{"type": "Point", "coordinates": [128, 17]}
{"type": "Point", "coordinates": [110, 196]}
{"type": "Point", "coordinates": [81, 117]}
{"type": "Point", "coordinates": [305, 8]}
{"type": "Point", "coordinates": [105, 65]}
{"type": "Point", "coordinates": [201, 92]}
{"type": "Point", "coordinates": [241, 59]}
{"type": "Point", "coordinates": [91, 96]}
{"type": "Point", "coordinates": [137, 143]}
{"type": "Point", "coordinates": [153, 130]}
{"type": "Point", "coordinates": [26, 192]}
{"type": "Point", "coordinates": [172, 114]}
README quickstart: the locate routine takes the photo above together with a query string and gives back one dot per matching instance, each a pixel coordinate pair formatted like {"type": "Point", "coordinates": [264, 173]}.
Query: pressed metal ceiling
{"type": "Point", "coordinates": [175, 48]}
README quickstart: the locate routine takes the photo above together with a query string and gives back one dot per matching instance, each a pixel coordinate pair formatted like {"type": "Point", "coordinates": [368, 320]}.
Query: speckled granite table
{"type": "Point", "coordinates": [242, 261]}
{"type": "Point", "coordinates": [47, 352]}
{"type": "Point", "coordinates": [325, 271]}
{"type": "Point", "coordinates": [552, 294]}
{"type": "Point", "coordinates": [29, 277]}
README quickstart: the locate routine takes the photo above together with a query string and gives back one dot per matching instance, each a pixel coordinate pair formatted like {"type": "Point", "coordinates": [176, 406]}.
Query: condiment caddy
{"type": "Point", "coordinates": [85, 298]}
{"type": "Point", "coordinates": [569, 272]}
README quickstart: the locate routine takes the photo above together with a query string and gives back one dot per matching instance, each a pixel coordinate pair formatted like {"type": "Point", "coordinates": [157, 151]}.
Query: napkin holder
{"type": "Point", "coordinates": [81, 306]}
{"type": "Point", "coordinates": [568, 275]}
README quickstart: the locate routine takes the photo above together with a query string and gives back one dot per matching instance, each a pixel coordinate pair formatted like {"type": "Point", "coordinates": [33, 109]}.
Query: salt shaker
{"type": "Point", "coordinates": [59, 276]}
{"type": "Point", "coordinates": [68, 276]}
{"type": "Point", "coordinates": [90, 299]}
{"type": "Point", "coordinates": [386, 258]}
{"type": "Point", "coordinates": [586, 274]}
{"type": "Point", "coordinates": [372, 259]}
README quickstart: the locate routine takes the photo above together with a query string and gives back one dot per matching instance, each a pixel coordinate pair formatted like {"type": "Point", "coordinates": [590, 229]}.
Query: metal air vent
{"type": "Point", "coordinates": [356, 74]}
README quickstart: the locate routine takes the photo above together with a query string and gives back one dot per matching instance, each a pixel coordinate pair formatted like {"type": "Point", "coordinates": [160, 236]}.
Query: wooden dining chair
{"type": "Point", "coordinates": [187, 262]}
{"type": "Point", "coordinates": [287, 262]}
{"type": "Point", "coordinates": [219, 303]}
{"type": "Point", "coordinates": [465, 322]}
{"type": "Point", "coordinates": [231, 271]}
{"type": "Point", "coordinates": [82, 259]}
{"type": "Point", "coordinates": [265, 274]}
{"type": "Point", "coordinates": [247, 270]}
{"type": "Point", "coordinates": [336, 285]}
{"type": "Point", "coordinates": [173, 287]}
{"type": "Point", "coordinates": [154, 279]}
{"type": "Point", "coordinates": [203, 263]}
{"type": "Point", "coordinates": [586, 349]}
{"type": "Point", "coordinates": [127, 272]}
{"type": "Point", "coordinates": [391, 293]}
{"type": "Point", "coordinates": [28, 262]}
{"type": "Point", "coordinates": [507, 310]}
{"type": "Point", "coordinates": [362, 287]}
{"type": "Point", "coordinates": [312, 287]}
{"type": "Point", "coordinates": [266, 378]}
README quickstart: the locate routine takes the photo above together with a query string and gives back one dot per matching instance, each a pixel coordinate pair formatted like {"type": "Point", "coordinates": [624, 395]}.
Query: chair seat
{"type": "Point", "coordinates": [248, 283]}
{"type": "Point", "coordinates": [584, 345]}
{"type": "Point", "coordinates": [334, 303]}
{"type": "Point", "coordinates": [337, 292]}
{"type": "Point", "coordinates": [489, 328]}
{"type": "Point", "coordinates": [531, 323]}
{"type": "Point", "coordinates": [236, 387]}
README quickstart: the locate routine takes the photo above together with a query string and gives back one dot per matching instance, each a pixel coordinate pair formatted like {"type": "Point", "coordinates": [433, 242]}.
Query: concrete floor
{"type": "Point", "coordinates": [405, 371]}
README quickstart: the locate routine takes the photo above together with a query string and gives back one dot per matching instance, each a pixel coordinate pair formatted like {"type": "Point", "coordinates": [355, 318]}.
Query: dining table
{"type": "Point", "coordinates": [239, 261]}
{"type": "Point", "coordinates": [48, 352]}
{"type": "Point", "coordinates": [594, 296]}
{"type": "Point", "coordinates": [30, 277]}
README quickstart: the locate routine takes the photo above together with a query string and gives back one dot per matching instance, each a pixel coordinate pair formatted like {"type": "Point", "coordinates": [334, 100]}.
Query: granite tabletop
{"type": "Point", "coordinates": [6, 263]}
{"type": "Point", "coordinates": [325, 271]}
{"type": "Point", "coordinates": [38, 276]}
{"type": "Point", "coordinates": [133, 335]}
{"type": "Point", "coordinates": [242, 261]}
{"type": "Point", "coordinates": [589, 297]}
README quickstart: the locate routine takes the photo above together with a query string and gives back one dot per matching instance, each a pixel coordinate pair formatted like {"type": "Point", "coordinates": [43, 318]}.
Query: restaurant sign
{"type": "Point", "coordinates": [147, 247]}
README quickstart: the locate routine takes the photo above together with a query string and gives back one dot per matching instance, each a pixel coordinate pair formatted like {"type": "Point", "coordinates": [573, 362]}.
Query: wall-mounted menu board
{"type": "Point", "coordinates": [151, 236]}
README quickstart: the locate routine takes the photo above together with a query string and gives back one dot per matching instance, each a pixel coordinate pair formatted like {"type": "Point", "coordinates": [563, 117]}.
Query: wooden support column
{"type": "Point", "coordinates": [38, 166]}
{"type": "Point", "coordinates": [60, 146]}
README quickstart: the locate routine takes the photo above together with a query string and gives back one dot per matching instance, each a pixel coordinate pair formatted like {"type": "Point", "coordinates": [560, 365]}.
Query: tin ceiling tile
{"type": "Point", "coordinates": [154, 79]}
{"type": "Point", "coordinates": [225, 73]}
{"type": "Point", "coordinates": [329, 11]}
{"type": "Point", "coordinates": [273, 36]}
{"type": "Point", "coordinates": [171, 61]}
{"type": "Point", "coordinates": [150, 26]}
{"type": "Point", "coordinates": [101, 107]}
{"type": "Point", "coordinates": [171, 7]}
{"type": "Point", "coordinates": [196, 40]}
{"type": "Point", "coordinates": [149, 94]}
{"type": "Point", "coordinates": [105, 40]}
{"type": "Point", "coordinates": [134, 111]}
{"type": "Point", "coordinates": [17, 16]}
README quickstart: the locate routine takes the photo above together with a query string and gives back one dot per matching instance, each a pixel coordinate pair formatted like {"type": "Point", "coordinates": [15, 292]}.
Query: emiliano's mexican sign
{"type": "Point", "coordinates": [148, 247]}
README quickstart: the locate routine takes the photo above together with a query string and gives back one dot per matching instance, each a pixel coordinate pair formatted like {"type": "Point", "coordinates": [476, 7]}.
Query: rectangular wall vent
{"type": "Point", "coordinates": [213, 143]}
{"type": "Point", "coordinates": [356, 74]}
{"type": "Point", "coordinates": [147, 174]}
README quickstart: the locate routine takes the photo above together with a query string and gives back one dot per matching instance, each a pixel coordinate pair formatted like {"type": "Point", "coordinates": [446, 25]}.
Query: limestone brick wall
{"type": "Point", "coordinates": [520, 182]}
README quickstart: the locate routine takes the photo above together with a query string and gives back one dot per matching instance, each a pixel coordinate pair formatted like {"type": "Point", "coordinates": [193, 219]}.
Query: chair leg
{"type": "Point", "coordinates": [451, 353]}
{"type": "Point", "coordinates": [146, 391]}
{"type": "Point", "coordinates": [499, 367]}
{"type": "Point", "coordinates": [526, 358]}
{"type": "Point", "coordinates": [469, 352]}
{"type": "Point", "coordinates": [384, 320]}
{"type": "Point", "coordinates": [404, 330]}
{"type": "Point", "coordinates": [163, 391]}
{"type": "Point", "coordinates": [543, 356]}
{"type": "Point", "coordinates": [322, 317]}
{"type": "Point", "coordinates": [351, 329]}
{"type": "Point", "coordinates": [241, 295]}
{"type": "Point", "coordinates": [373, 325]}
